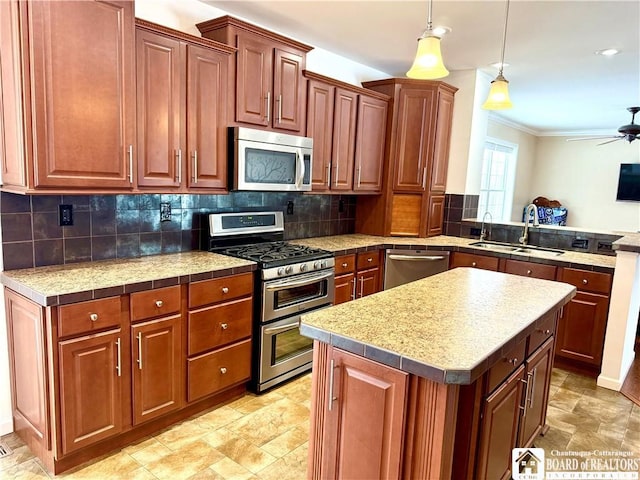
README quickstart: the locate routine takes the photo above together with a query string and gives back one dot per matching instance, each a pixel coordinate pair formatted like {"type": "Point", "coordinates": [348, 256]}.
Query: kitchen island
{"type": "Point", "coordinates": [456, 365]}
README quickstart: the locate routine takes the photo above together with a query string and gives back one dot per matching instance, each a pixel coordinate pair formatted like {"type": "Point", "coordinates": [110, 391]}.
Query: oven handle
{"type": "Point", "coordinates": [300, 169]}
{"type": "Point", "coordinates": [301, 283]}
{"type": "Point", "coordinates": [417, 258]}
{"type": "Point", "coordinates": [281, 328]}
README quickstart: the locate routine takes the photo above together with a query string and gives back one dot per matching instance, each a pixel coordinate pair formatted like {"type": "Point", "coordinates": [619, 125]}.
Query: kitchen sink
{"type": "Point", "coordinates": [524, 249]}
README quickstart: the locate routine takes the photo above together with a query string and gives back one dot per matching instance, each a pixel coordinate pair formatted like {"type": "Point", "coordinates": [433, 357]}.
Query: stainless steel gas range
{"type": "Point", "coordinates": [291, 279]}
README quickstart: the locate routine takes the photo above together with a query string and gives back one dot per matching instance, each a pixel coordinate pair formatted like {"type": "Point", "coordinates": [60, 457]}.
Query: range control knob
{"type": "Point", "coordinates": [323, 264]}
{"type": "Point", "coordinates": [317, 265]}
{"type": "Point", "coordinates": [288, 269]}
{"type": "Point", "coordinates": [303, 267]}
{"type": "Point", "coordinates": [280, 271]}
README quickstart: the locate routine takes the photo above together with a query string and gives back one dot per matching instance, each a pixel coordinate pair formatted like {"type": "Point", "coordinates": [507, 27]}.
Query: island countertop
{"type": "Point", "coordinates": [449, 328]}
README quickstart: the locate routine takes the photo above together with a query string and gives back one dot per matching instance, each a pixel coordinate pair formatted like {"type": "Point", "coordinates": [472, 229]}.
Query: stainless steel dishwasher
{"type": "Point", "coordinates": [404, 265]}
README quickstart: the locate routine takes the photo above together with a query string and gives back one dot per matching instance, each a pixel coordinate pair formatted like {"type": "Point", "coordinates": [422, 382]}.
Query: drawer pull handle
{"type": "Point", "coordinates": [224, 326]}
{"type": "Point", "coordinates": [159, 303]}
{"type": "Point", "coordinates": [513, 361]}
{"type": "Point", "coordinates": [547, 331]}
{"type": "Point", "coordinates": [473, 264]}
{"type": "Point", "coordinates": [223, 370]}
{"type": "Point", "coordinates": [93, 317]}
{"type": "Point", "coordinates": [225, 289]}
{"type": "Point", "coordinates": [585, 281]}
{"type": "Point", "coordinates": [528, 272]}
{"type": "Point", "coordinates": [369, 259]}
{"type": "Point", "coordinates": [344, 265]}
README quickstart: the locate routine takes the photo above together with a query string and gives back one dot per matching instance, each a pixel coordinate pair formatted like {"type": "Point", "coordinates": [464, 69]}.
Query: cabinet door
{"type": "Point", "coordinates": [84, 93]}
{"type": "Point", "coordinates": [254, 77]}
{"type": "Point", "coordinates": [435, 219]}
{"type": "Point", "coordinates": [582, 327]}
{"type": "Point", "coordinates": [499, 429]}
{"type": "Point", "coordinates": [370, 142]}
{"type": "Point", "coordinates": [345, 288]}
{"type": "Point", "coordinates": [368, 409]}
{"type": "Point", "coordinates": [414, 139]}
{"type": "Point", "coordinates": [344, 134]}
{"type": "Point", "coordinates": [442, 141]}
{"type": "Point", "coordinates": [91, 388]}
{"type": "Point", "coordinates": [368, 282]}
{"type": "Point", "coordinates": [320, 98]}
{"type": "Point", "coordinates": [288, 90]}
{"type": "Point", "coordinates": [538, 367]}
{"type": "Point", "coordinates": [157, 368]}
{"type": "Point", "coordinates": [207, 90]}
{"type": "Point", "coordinates": [160, 86]}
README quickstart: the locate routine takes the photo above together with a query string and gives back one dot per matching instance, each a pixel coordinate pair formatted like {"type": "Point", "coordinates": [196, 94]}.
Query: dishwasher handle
{"type": "Point", "coordinates": [417, 258]}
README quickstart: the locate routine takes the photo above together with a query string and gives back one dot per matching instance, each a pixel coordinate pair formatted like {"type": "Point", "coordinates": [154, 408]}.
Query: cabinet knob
{"type": "Point", "coordinates": [223, 370]}
{"type": "Point", "coordinates": [369, 259]}
{"type": "Point", "coordinates": [513, 361]}
{"type": "Point", "coordinates": [584, 281]}
{"type": "Point", "coordinates": [528, 272]}
{"type": "Point", "coordinates": [344, 265]}
{"type": "Point", "coordinates": [225, 289]}
{"type": "Point", "coordinates": [473, 264]}
{"type": "Point", "coordinates": [159, 303]}
{"type": "Point", "coordinates": [224, 326]}
{"type": "Point", "coordinates": [93, 317]}
{"type": "Point", "coordinates": [547, 331]}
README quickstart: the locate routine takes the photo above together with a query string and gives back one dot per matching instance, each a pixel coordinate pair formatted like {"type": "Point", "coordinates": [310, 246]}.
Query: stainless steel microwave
{"type": "Point", "coordinates": [270, 161]}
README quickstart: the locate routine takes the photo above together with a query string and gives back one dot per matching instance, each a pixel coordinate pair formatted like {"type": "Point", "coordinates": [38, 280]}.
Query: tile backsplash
{"type": "Point", "coordinates": [129, 226]}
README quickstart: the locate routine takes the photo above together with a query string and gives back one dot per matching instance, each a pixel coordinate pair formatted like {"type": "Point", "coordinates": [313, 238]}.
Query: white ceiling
{"type": "Point", "coordinates": [557, 84]}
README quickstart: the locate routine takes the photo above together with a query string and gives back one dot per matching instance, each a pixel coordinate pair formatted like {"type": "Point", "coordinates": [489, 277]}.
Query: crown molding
{"type": "Point", "coordinates": [494, 117]}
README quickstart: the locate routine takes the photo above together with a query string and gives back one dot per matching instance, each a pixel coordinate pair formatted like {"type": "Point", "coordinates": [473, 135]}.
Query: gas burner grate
{"type": "Point", "coordinates": [5, 451]}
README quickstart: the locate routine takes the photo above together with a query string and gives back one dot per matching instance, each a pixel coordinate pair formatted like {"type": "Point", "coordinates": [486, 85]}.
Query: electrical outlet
{"type": "Point", "coordinates": [66, 215]}
{"type": "Point", "coordinates": [165, 212]}
{"type": "Point", "coordinates": [289, 207]}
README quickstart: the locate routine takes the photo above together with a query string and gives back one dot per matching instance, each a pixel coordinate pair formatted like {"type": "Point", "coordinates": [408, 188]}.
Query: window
{"type": "Point", "coordinates": [497, 180]}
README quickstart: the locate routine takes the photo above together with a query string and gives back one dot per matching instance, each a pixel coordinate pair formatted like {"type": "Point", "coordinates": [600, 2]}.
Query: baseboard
{"type": "Point", "coordinates": [615, 383]}
{"type": "Point", "coordinates": [6, 425]}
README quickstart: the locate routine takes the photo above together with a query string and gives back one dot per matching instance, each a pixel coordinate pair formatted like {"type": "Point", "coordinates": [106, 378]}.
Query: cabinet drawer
{"type": "Point", "coordinates": [212, 327]}
{"type": "Point", "coordinates": [541, 333]}
{"type": "Point", "coordinates": [214, 371]}
{"type": "Point", "coordinates": [460, 259]}
{"type": "Point", "coordinates": [85, 317]}
{"type": "Point", "coordinates": [507, 364]}
{"type": "Point", "coordinates": [220, 289]}
{"type": "Point", "coordinates": [368, 260]}
{"type": "Point", "coordinates": [585, 280]}
{"type": "Point", "coordinates": [155, 303]}
{"type": "Point", "coordinates": [345, 264]}
{"type": "Point", "coordinates": [529, 269]}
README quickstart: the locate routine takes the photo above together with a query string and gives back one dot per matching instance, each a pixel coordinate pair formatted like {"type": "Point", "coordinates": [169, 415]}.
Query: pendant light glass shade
{"type": "Point", "coordinates": [428, 64]}
{"type": "Point", "coordinates": [499, 92]}
{"type": "Point", "coordinates": [498, 98]}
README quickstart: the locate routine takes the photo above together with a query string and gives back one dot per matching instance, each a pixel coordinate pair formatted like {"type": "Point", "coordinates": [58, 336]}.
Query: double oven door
{"type": "Point", "coordinates": [283, 351]}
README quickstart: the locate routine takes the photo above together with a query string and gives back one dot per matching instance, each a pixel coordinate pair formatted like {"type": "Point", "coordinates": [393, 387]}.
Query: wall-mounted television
{"type": "Point", "coordinates": [629, 182]}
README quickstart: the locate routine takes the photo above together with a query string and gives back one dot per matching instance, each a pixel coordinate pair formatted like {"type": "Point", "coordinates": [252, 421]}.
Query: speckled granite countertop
{"type": "Point", "coordinates": [630, 243]}
{"type": "Point", "coordinates": [61, 284]}
{"type": "Point", "coordinates": [346, 244]}
{"type": "Point", "coordinates": [449, 328]}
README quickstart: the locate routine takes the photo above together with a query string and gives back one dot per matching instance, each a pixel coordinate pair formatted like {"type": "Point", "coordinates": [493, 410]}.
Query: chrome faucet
{"type": "Point", "coordinates": [483, 232]}
{"type": "Point", "coordinates": [536, 222]}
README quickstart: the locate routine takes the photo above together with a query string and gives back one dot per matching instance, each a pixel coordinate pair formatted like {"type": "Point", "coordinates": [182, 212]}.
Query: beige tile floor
{"type": "Point", "coordinates": [266, 437]}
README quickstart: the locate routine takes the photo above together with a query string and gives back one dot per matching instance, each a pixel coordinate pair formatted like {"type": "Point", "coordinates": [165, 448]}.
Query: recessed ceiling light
{"type": "Point", "coordinates": [441, 30]}
{"type": "Point", "coordinates": [608, 52]}
{"type": "Point", "coordinates": [498, 65]}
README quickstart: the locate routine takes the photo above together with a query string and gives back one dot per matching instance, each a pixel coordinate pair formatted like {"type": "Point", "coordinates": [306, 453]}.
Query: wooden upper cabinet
{"type": "Point", "coordinates": [269, 84]}
{"type": "Point", "coordinates": [442, 142]}
{"type": "Point", "coordinates": [182, 110]}
{"type": "Point", "coordinates": [414, 141]}
{"type": "Point", "coordinates": [76, 102]}
{"type": "Point", "coordinates": [344, 132]}
{"type": "Point", "coordinates": [370, 141]}
{"type": "Point", "coordinates": [320, 102]}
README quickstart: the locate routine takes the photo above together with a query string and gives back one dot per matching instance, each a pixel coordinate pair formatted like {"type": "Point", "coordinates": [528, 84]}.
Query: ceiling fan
{"type": "Point", "coordinates": [628, 132]}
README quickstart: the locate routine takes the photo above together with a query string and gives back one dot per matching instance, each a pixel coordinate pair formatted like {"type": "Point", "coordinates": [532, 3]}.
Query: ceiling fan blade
{"type": "Point", "coordinates": [610, 141]}
{"type": "Point", "coordinates": [595, 137]}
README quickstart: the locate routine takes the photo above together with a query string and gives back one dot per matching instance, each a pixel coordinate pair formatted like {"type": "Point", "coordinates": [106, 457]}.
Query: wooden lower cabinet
{"type": "Point", "coordinates": [485, 262]}
{"type": "Point", "coordinates": [345, 287]}
{"type": "Point", "coordinates": [357, 276]}
{"type": "Point", "coordinates": [363, 423]}
{"type": "Point", "coordinates": [91, 388]}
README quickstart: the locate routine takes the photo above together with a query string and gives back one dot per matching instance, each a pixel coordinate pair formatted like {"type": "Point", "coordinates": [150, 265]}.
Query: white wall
{"type": "Point", "coordinates": [523, 192]}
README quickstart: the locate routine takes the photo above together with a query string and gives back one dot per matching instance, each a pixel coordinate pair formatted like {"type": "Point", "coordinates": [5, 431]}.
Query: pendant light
{"type": "Point", "coordinates": [428, 63]}
{"type": "Point", "coordinates": [498, 98]}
